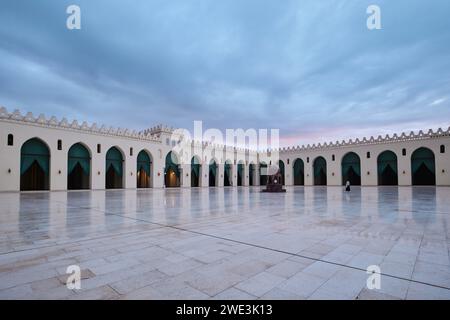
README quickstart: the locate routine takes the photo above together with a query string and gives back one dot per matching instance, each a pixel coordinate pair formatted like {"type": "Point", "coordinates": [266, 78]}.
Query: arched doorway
{"type": "Point", "coordinates": [172, 172]}
{"type": "Point", "coordinates": [251, 174]}
{"type": "Point", "coordinates": [195, 172]}
{"type": "Point", "coordinates": [213, 174]}
{"type": "Point", "coordinates": [78, 167]}
{"type": "Point", "coordinates": [144, 166]}
{"type": "Point", "coordinates": [263, 174]}
{"type": "Point", "coordinates": [281, 167]}
{"type": "Point", "coordinates": [34, 165]}
{"type": "Point", "coordinates": [387, 169]}
{"type": "Point", "coordinates": [228, 174]}
{"type": "Point", "coordinates": [114, 169]}
{"type": "Point", "coordinates": [299, 172]}
{"type": "Point", "coordinates": [320, 171]}
{"type": "Point", "coordinates": [240, 174]}
{"type": "Point", "coordinates": [351, 169]}
{"type": "Point", "coordinates": [423, 170]}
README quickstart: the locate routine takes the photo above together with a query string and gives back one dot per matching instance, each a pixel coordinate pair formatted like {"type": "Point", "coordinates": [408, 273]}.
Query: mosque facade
{"type": "Point", "coordinates": [40, 153]}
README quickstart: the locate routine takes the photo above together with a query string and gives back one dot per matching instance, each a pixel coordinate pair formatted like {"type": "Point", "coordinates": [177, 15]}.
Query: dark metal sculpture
{"type": "Point", "coordinates": [274, 183]}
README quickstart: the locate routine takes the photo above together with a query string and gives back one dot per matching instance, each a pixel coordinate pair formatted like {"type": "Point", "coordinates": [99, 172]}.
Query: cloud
{"type": "Point", "coordinates": [438, 101]}
{"type": "Point", "coordinates": [310, 68]}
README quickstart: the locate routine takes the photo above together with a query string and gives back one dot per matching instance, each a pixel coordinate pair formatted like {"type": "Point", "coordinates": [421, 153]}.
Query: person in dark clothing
{"type": "Point", "coordinates": [347, 186]}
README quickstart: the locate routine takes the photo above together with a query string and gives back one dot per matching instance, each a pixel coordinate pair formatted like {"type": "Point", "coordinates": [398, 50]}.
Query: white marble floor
{"type": "Point", "coordinates": [227, 243]}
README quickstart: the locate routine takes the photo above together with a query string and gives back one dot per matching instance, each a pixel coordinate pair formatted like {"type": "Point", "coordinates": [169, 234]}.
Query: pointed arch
{"type": "Point", "coordinates": [387, 168]}
{"type": "Point", "coordinates": [423, 167]}
{"type": "Point", "coordinates": [240, 173]}
{"type": "Point", "coordinates": [114, 168]}
{"type": "Point", "coordinates": [351, 169]}
{"type": "Point", "coordinates": [34, 165]}
{"type": "Point", "coordinates": [78, 167]}
{"type": "Point", "coordinates": [213, 174]}
{"type": "Point", "coordinates": [251, 174]}
{"type": "Point", "coordinates": [299, 172]}
{"type": "Point", "coordinates": [144, 166]}
{"type": "Point", "coordinates": [172, 171]}
{"type": "Point", "coordinates": [282, 171]}
{"type": "Point", "coordinates": [320, 171]}
{"type": "Point", "coordinates": [196, 171]}
{"type": "Point", "coordinates": [263, 169]}
{"type": "Point", "coordinates": [228, 174]}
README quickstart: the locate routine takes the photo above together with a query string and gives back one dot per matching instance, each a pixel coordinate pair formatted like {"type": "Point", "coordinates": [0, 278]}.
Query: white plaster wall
{"type": "Point", "coordinates": [369, 174]}
{"type": "Point", "coordinates": [10, 155]}
{"type": "Point", "coordinates": [22, 131]}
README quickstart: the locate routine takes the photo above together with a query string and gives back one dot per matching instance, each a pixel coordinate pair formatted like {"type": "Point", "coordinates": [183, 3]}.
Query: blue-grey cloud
{"type": "Point", "coordinates": [310, 68]}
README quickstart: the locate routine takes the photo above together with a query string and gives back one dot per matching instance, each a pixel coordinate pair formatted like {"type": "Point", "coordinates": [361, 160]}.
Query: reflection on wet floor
{"type": "Point", "coordinates": [403, 229]}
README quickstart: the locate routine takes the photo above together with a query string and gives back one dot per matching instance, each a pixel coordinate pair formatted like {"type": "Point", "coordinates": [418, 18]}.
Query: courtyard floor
{"type": "Point", "coordinates": [227, 243]}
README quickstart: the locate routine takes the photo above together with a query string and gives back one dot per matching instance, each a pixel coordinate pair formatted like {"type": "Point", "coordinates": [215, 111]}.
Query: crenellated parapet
{"type": "Point", "coordinates": [411, 136]}
{"type": "Point", "coordinates": [155, 133]}
{"type": "Point", "coordinates": [217, 146]}
{"type": "Point", "coordinates": [64, 124]}
{"type": "Point", "coordinates": [158, 129]}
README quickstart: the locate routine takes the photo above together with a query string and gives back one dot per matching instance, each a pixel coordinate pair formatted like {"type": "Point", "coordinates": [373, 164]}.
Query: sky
{"type": "Point", "coordinates": [309, 68]}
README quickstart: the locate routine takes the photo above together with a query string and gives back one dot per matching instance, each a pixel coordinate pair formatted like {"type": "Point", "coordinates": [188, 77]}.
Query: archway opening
{"type": "Point", "coordinates": [172, 172]}
{"type": "Point", "coordinates": [114, 169]}
{"type": "Point", "coordinates": [281, 168]}
{"type": "Point", "coordinates": [240, 174]}
{"type": "Point", "coordinates": [34, 165]}
{"type": "Point", "coordinates": [263, 174]}
{"type": "Point", "coordinates": [144, 166]}
{"type": "Point", "coordinates": [251, 174]}
{"type": "Point", "coordinates": [299, 172]}
{"type": "Point", "coordinates": [387, 169]}
{"type": "Point", "coordinates": [212, 173]}
{"type": "Point", "coordinates": [351, 169]}
{"type": "Point", "coordinates": [195, 172]}
{"type": "Point", "coordinates": [78, 167]}
{"type": "Point", "coordinates": [320, 171]}
{"type": "Point", "coordinates": [228, 174]}
{"type": "Point", "coordinates": [423, 167]}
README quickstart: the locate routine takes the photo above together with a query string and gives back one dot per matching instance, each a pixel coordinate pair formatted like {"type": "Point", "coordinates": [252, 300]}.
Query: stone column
{"type": "Point", "coordinates": [180, 169]}
{"type": "Point", "coordinates": [234, 175]}
{"type": "Point", "coordinates": [200, 176]}
{"type": "Point", "coordinates": [289, 174]}
{"type": "Point", "coordinates": [158, 176]}
{"type": "Point", "coordinates": [256, 175]}
{"type": "Point", "coordinates": [220, 173]}
{"type": "Point", "coordinates": [309, 174]}
{"type": "Point", "coordinates": [246, 176]}
{"type": "Point", "coordinates": [205, 175]}
{"type": "Point", "coordinates": [404, 168]}
{"type": "Point", "coordinates": [186, 169]}
{"type": "Point", "coordinates": [369, 171]}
